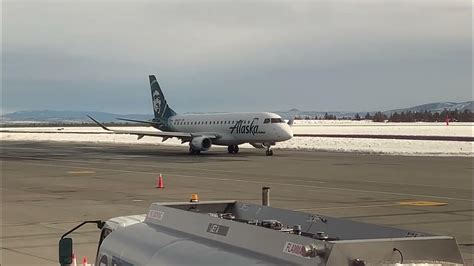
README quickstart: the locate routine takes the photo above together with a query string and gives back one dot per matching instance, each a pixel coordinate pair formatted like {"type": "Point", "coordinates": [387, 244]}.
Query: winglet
{"type": "Point", "coordinates": [99, 123]}
{"type": "Point", "coordinates": [291, 121]}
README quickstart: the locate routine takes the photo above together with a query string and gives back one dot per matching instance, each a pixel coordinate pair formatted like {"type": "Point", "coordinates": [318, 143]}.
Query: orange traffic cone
{"type": "Point", "coordinates": [159, 182]}
{"type": "Point", "coordinates": [74, 262]}
{"type": "Point", "coordinates": [84, 262]}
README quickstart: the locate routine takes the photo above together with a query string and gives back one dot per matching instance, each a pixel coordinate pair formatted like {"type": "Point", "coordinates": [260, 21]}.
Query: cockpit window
{"type": "Point", "coordinates": [266, 121]}
{"type": "Point", "coordinates": [277, 120]}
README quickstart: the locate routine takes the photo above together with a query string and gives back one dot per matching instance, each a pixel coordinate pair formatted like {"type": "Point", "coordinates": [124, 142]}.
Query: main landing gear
{"type": "Point", "coordinates": [233, 149]}
{"type": "Point", "coordinates": [269, 151]}
{"type": "Point", "coordinates": [193, 151]}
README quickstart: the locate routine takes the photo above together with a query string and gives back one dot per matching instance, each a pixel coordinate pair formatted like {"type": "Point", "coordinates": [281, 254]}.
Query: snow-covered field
{"type": "Point", "coordinates": [382, 146]}
{"type": "Point", "coordinates": [369, 127]}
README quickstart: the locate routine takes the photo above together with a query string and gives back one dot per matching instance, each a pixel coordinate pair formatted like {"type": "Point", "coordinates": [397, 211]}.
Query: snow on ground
{"type": "Point", "coordinates": [382, 146]}
{"type": "Point", "coordinates": [369, 127]}
{"type": "Point", "coordinates": [377, 146]}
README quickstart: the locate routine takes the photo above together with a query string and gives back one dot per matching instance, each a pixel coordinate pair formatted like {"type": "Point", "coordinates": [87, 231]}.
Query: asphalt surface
{"type": "Point", "coordinates": [49, 187]}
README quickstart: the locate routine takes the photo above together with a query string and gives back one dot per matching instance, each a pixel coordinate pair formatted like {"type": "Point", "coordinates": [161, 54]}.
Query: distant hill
{"type": "Point", "coordinates": [297, 113]}
{"type": "Point", "coordinates": [430, 107]}
{"type": "Point", "coordinates": [49, 116]}
{"type": "Point", "coordinates": [436, 107]}
{"type": "Point", "coordinates": [68, 116]}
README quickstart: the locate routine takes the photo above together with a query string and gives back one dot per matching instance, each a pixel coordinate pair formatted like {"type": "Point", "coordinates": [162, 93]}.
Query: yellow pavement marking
{"type": "Point", "coordinates": [347, 207]}
{"type": "Point", "coordinates": [403, 203]}
{"type": "Point", "coordinates": [422, 203]}
{"type": "Point", "coordinates": [80, 172]}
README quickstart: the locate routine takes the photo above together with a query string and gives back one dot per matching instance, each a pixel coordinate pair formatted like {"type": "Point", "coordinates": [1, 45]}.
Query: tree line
{"type": "Point", "coordinates": [424, 116]}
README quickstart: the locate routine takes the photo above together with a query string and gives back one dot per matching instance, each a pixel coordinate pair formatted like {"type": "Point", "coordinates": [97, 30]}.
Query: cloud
{"type": "Point", "coordinates": [236, 55]}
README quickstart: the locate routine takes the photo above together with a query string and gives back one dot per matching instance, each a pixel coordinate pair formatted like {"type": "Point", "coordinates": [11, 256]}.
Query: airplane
{"type": "Point", "coordinates": [260, 129]}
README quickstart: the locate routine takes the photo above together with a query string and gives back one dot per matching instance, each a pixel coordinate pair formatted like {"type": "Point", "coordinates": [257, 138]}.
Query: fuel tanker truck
{"type": "Point", "coordinates": [237, 233]}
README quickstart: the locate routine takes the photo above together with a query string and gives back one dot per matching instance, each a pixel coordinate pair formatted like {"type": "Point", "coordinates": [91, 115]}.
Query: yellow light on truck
{"type": "Point", "coordinates": [194, 198]}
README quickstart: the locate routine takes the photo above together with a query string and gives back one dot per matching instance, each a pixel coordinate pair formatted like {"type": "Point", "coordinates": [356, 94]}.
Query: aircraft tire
{"type": "Point", "coordinates": [193, 151]}
{"type": "Point", "coordinates": [233, 149]}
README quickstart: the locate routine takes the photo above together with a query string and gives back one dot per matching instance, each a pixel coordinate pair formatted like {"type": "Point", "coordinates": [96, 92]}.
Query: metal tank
{"type": "Point", "coordinates": [238, 233]}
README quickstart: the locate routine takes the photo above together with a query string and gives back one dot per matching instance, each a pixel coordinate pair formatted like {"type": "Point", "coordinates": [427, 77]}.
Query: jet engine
{"type": "Point", "coordinates": [201, 143]}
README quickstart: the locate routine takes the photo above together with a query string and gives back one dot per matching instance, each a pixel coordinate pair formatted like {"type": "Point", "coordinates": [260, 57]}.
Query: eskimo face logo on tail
{"type": "Point", "coordinates": [241, 128]}
{"type": "Point", "coordinates": [156, 102]}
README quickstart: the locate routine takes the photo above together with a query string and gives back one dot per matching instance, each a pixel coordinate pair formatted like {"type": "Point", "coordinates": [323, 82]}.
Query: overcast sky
{"type": "Point", "coordinates": [235, 55]}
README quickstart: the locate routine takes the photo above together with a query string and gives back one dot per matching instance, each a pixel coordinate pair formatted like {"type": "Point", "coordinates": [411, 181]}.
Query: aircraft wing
{"type": "Point", "coordinates": [151, 123]}
{"type": "Point", "coordinates": [164, 135]}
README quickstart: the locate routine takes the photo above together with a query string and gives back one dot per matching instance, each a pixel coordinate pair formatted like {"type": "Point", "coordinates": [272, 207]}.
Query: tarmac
{"type": "Point", "coordinates": [50, 187]}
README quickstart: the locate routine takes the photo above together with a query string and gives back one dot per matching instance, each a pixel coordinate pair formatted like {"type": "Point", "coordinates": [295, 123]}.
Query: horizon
{"type": "Point", "coordinates": [289, 110]}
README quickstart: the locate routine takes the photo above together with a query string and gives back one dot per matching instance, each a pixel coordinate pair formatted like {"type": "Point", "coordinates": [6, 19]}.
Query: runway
{"type": "Point", "coordinates": [49, 187]}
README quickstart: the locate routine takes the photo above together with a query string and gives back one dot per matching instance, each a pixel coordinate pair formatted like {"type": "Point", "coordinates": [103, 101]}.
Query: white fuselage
{"type": "Point", "coordinates": [234, 128]}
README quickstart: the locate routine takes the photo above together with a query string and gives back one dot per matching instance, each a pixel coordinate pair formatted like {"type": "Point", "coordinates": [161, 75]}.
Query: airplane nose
{"type": "Point", "coordinates": [288, 133]}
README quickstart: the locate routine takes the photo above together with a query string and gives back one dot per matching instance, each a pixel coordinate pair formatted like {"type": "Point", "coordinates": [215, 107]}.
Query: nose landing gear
{"type": "Point", "coordinates": [269, 151]}
{"type": "Point", "coordinates": [233, 149]}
